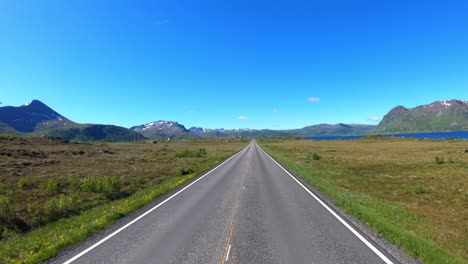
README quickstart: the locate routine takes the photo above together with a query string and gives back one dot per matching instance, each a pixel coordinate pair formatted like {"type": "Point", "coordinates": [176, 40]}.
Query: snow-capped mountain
{"type": "Point", "coordinates": [163, 129]}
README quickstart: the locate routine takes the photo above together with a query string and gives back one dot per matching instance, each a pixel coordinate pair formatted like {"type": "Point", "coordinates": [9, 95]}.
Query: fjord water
{"type": "Point", "coordinates": [426, 135]}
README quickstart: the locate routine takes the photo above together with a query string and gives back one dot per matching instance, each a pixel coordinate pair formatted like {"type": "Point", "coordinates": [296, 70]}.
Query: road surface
{"type": "Point", "coordinates": [247, 210]}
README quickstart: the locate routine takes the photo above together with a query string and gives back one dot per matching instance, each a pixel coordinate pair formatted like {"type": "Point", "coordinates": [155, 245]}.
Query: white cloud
{"type": "Point", "coordinates": [313, 99]}
{"type": "Point", "coordinates": [275, 110]}
{"type": "Point", "coordinates": [243, 117]}
{"type": "Point", "coordinates": [374, 119]}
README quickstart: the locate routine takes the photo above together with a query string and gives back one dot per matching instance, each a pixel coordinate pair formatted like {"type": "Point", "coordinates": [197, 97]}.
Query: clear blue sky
{"type": "Point", "coordinates": [232, 63]}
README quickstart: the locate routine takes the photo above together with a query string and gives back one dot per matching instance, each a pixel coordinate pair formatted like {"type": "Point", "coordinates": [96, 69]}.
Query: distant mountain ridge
{"type": "Point", "coordinates": [333, 130]}
{"type": "Point", "coordinates": [170, 129]}
{"type": "Point", "coordinates": [443, 115]}
{"type": "Point", "coordinates": [37, 118]}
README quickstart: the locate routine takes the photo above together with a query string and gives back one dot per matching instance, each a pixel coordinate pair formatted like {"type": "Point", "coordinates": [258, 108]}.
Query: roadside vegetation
{"type": "Point", "coordinates": [413, 192]}
{"type": "Point", "coordinates": [55, 193]}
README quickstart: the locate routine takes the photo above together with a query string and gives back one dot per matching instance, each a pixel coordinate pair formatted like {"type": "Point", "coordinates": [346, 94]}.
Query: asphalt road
{"type": "Point", "coordinates": [247, 210]}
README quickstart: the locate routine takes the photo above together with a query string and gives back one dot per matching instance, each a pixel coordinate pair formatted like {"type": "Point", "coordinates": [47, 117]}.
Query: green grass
{"type": "Point", "coordinates": [394, 187]}
{"type": "Point", "coordinates": [47, 211]}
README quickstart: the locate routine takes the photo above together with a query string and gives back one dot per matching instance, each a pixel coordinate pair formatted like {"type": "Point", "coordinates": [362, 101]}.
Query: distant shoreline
{"type": "Point", "coordinates": [462, 134]}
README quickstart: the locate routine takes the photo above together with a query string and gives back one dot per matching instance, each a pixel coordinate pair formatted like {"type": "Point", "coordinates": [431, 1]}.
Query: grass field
{"type": "Point", "coordinates": [53, 193]}
{"type": "Point", "coordinates": [413, 192]}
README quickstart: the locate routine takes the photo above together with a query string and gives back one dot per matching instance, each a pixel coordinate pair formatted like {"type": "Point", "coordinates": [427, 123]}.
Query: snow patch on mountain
{"type": "Point", "coordinates": [157, 125]}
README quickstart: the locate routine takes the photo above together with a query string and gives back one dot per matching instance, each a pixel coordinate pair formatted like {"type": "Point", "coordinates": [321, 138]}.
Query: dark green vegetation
{"type": "Point", "coordinates": [53, 194]}
{"type": "Point", "coordinates": [191, 153]}
{"type": "Point", "coordinates": [396, 186]}
{"type": "Point", "coordinates": [94, 133]}
{"type": "Point", "coordinates": [438, 116]}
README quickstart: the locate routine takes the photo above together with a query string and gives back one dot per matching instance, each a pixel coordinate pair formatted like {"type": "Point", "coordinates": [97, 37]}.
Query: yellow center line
{"type": "Point", "coordinates": [224, 256]}
{"type": "Point", "coordinates": [230, 231]}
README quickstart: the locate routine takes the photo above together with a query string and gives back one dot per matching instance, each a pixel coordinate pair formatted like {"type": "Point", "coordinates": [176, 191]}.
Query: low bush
{"type": "Point", "coordinates": [52, 186]}
{"type": "Point", "coordinates": [109, 186]}
{"type": "Point", "coordinates": [439, 160]}
{"type": "Point", "coordinates": [62, 206]}
{"type": "Point", "coordinates": [24, 183]}
{"type": "Point", "coordinates": [186, 171]}
{"type": "Point", "coordinates": [7, 137]}
{"type": "Point", "coordinates": [419, 189]}
{"type": "Point", "coordinates": [191, 153]}
{"type": "Point", "coordinates": [3, 188]}
{"type": "Point", "coordinates": [6, 209]}
{"type": "Point", "coordinates": [313, 156]}
{"type": "Point", "coordinates": [74, 183]}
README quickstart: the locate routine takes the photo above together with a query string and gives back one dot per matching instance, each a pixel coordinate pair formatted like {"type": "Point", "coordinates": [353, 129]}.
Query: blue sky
{"type": "Point", "coordinates": [232, 64]}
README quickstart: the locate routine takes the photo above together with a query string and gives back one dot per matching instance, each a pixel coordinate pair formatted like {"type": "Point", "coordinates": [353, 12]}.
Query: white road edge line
{"type": "Point", "coordinates": [365, 241]}
{"type": "Point", "coordinates": [147, 212]}
{"type": "Point", "coordinates": [227, 255]}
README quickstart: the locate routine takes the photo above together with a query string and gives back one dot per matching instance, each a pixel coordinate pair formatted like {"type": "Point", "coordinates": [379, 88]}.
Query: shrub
{"type": "Point", "coordinates": [24, 183]}
{"type": "Point", "coordinates": [419, 189]}
{"type": "Point", "coordinates": [313, 156]}
{"type": "Point", "coordinates": [186, 171]}
{"type": "Point", "coordinates": [112, 187]}
{"type": "Point", "coordinates": [90, 184]}
{"type": "Point", "coordinates": [52, 186]}
{"type": "Point", "coordinates": [191, 153]}
{"type": "Point", "coordinates": [109, 186]}
{"type": "Point", "coordinates": [7, 137]}
{"type": "Point", "coordinates": [439, 160]}
{"type": "Point", "coordinates": [202, 151]}
{"type": "Point", "coordinates": [3, 188]}
{"type": "Point", "coordinates": [6, 209]}
{"type": "Point", "coordinates": [74, 183]}
{"type": "Point", "coordinates": [60, 207]}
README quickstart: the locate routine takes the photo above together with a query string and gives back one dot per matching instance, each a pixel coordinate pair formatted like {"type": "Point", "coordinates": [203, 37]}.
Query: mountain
{"type": "Point", "coordinates": [37, 118]}
{"type": "Point", "coordinates": [207, 133]}
{"type": "Point", "coordinates": [92, 132]}
{"type": "Point", "coordinates": [196, 130]}
{"type": "Point", "coordinates": [441, 115]}
{"type": "Point", "coordinates": [164, 129]}
{"type": "Point", "coordinates": [32, 117]}
{"type": "Point", "coordinates": [332, 130]}
{"type": "Point", "coordinates": [309, 131]}
{"type": "Point", "coordinates": [170, 129]}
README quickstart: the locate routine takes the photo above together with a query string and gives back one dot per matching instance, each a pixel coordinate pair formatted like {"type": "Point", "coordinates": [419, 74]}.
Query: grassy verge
{"type": "Point", "coordinates": [396, 186]}
{"type": "Point", "coordinates": [87, 200]}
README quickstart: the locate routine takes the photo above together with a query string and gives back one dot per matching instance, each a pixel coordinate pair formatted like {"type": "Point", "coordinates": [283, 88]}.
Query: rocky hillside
{"type": "Point", "coordinates": [164, 129]}
{"type": "Point", "coordinates": [37, 118]}
{"type": "Point", "coordinates": [332, 130]}
{"type": "Point", "coordinates": [441, 115]}
{"type": "Point", "coordinates": [32, 117]}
